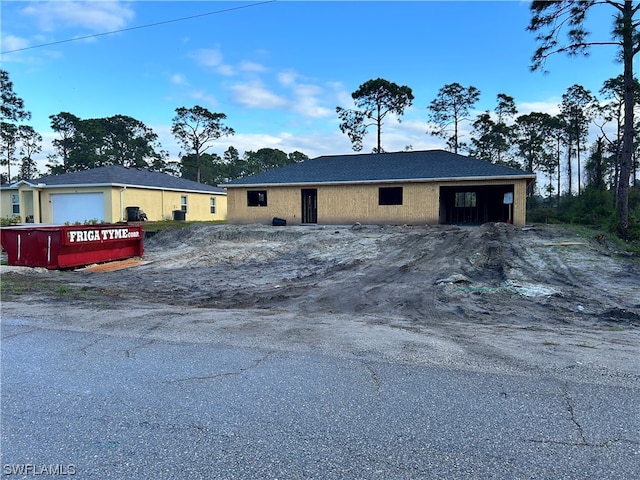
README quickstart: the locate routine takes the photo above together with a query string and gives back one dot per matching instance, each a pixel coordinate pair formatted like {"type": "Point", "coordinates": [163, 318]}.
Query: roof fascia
{"type": "Point", "coordinates": [22, 182]}
{"type": "Point", "coordinates": [126, 185]}
{"type": "Point", "coordinates": [529, 178]}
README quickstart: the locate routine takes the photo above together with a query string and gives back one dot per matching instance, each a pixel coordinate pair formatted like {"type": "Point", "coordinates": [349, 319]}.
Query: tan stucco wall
{"type": "Point", "coordinates": [157, 204]}
{"type": "Point", "coordinates": [346, 204]}
{"type": "Point", "coordinates": [6, 206]}
{"type": "Point", "coordinates": [160, 204]}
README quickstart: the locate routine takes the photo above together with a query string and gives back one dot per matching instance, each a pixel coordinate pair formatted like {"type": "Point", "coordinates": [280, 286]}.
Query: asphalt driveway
{"type": "Point", "coordinates": [129, 407]}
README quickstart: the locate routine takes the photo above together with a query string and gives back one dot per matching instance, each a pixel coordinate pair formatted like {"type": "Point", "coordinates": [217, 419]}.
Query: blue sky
{"type": "Point", "coordinates": [279, 69]}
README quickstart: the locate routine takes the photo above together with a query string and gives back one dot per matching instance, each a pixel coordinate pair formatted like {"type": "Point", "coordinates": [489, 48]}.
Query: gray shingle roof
{"type": "Point", "coordinates": [130, 177]}
{"type": "Point", "coordinates": [381, 167]}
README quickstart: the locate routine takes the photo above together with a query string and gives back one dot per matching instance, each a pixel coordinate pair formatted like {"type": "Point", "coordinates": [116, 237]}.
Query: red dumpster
{"type": "Point", "coordinates": [56, 247]}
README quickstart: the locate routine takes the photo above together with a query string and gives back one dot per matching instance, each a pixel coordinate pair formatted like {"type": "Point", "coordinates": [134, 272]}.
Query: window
{"type": "Point", "coordinates": [465, 199]}
{"type": "Point", "coordinates": [212, 205]}
{"type": "Point", "coordinates": [257, 198]}
{"type": "Point", "coordinates": [183, 203]}
{"type": "Point", "coordinates": [390, 196]}
{"type": "Point", "coordinates": [15, 203]}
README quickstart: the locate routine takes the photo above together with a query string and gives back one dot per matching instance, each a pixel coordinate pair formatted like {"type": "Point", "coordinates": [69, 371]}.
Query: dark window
{"type": "Point", "coordinates": [257, 198]}
{"type": "Point", "coordinates": [15, 203]}
{"type": "Point", "coordinates": [390, 196]}
{"type": "Point", "coordinates": [465, 199]}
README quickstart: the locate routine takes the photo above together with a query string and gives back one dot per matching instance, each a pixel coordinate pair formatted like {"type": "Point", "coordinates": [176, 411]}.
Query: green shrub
{"type": "Point", "coordinates": [6, 221]}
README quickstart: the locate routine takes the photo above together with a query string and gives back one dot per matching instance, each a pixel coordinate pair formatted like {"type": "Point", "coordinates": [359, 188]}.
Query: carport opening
{"type": "Point", "coordinates": [474, 204]}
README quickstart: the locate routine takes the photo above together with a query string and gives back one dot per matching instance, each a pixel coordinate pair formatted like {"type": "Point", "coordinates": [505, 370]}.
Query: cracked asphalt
{"type": "Point", "coordinates": [329, 352]}
{"type": "Point", "coordinates": [138, 407]}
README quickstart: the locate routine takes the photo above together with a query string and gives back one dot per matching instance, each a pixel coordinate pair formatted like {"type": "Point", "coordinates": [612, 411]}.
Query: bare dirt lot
{"type": "Point", "coordinates": [494, 297]}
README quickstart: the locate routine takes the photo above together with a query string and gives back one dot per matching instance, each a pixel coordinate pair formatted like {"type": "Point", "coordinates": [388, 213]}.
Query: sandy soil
{"type": "Point", "coordinates": [489, 298]}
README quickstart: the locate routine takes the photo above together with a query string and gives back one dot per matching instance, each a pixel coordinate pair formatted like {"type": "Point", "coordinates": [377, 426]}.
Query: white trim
{"type": "Point", "coordinates": [375, 182]}
{"type": "Point", "coordinates": [128, 185]}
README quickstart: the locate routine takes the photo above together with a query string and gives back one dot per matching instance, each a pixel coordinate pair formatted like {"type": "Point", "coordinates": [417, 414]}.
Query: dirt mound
{"type": "Point", "coordinates": [490, 296]}
{"type": "Point", "coordinates": [495, 272]}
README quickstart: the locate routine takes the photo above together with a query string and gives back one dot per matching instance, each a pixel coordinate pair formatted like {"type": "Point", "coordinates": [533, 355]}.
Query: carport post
{"type": "Point", "coordinates": [508, 200]}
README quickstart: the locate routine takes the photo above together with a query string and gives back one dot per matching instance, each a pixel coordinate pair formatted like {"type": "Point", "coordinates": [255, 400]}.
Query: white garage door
{"type": "Point", "coordinates": [77, 207]}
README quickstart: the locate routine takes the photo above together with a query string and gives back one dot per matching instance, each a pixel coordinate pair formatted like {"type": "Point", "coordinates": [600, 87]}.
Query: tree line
{"type": "Point", "coordinates": [554, 145]}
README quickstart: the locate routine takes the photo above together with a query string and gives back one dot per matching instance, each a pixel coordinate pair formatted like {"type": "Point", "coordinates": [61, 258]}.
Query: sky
{"type": "Point", "coordinates": [278, 69]}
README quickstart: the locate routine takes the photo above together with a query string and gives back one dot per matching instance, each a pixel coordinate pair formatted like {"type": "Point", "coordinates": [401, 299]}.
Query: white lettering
{"type": "Point", "coordinates": [94, 235]}
{"type": "Point", "coordinates": [39, 469]}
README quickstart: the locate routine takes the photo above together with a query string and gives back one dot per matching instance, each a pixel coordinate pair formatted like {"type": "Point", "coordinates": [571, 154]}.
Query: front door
{"type": "Point", "coordinates": [309, 205]}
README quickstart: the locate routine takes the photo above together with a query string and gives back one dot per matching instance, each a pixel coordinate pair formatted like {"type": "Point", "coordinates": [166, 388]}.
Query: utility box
{"type": "Point", "coordinates": [57, 247]}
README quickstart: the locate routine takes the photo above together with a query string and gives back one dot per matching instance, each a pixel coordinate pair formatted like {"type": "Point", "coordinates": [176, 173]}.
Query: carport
{"type": "Point", "coordinates": [476, 203]}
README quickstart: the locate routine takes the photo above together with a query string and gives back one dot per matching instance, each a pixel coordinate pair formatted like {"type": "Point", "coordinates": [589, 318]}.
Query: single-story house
{"type": "Point", "coordinates": [111, 194]}
{"type": "Point", "coordinates": [413, 187]}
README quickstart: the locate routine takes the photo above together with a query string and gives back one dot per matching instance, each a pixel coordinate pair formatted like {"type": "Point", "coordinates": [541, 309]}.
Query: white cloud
{"type": "Point", "coordinates": [309, 106]}
{"type": "Point", "coordinates": [552, 107]}
{"type": "Point", "coordinates": [204, 98]}
{"type": "Point", "coordinates": [345, 100]}
{"type": "Point", "coordinates": [226, 70]}
{"type": "Point", "coordinates": [95, 16]}
{"type": "Point", "coordinates": [254, 95]}
{"type": "Point", "coordinates": [179, 79]}
{"type": "Point", "coordinates": [208, 57]}
{"type": "Point", "coordinates": [212, 58]}
{"type": "Point", "coordinates": [307, 98]}
{"type": "Point", "coordinates": [252, 67]}
{"type": "Point", "coordinates": [287, 79]}
{"type": "Point", "coordinates": [11, 42]}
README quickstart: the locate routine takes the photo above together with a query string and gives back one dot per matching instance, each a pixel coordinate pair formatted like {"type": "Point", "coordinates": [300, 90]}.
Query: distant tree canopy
{"type": "Point", "coordinates": [15, 137]}
{"type": "Point", "coordinates": [215, 170]}
{"type": "Point", "coordinates": [196, 128]}
{"type": "Point", "coordinates": [374, 100]}
{"type": "Point", "coordinates": [550, 19]}
{"type": "Point", "coordinates": [96, 142]}
{"type": "Point", "coordinates": [450, 107]}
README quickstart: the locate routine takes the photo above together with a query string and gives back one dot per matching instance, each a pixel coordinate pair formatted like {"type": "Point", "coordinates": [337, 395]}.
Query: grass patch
{"type": "Point", "coordinates": [14, 285]}
{"type": "Point", "coordinates": [155, 227]}
{"type": "Point", "coordinates": [590, 233]}
{"type": "Point", "coordinates": [63, 291]}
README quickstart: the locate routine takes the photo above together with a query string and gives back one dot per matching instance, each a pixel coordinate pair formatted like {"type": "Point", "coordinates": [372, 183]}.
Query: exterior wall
{"type": "Point", "coordinates": [346, 204]}
{"type": "Point", "coordinates": [6, 205]}
{"type": "Point", "coordinates": [520, 203]}
{"type": "Point", "coordinates": [359, 203]}
{"type": "Point", "coordinates": [282, 202]}
{"type": "Point", "coordinates": [157, 204]}
{"type": "Point", "coordinates": [160, 204]}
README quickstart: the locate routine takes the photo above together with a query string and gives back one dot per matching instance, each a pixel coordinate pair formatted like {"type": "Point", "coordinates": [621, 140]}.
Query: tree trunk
{"type": "Point", "coordinates": [559, 165]}
{"type": "Point", "coordinates": [198, 166]}
{"type": "Point", "coordinates": [627, 138]}
{"type": "Point", "coordinates": [579, 167]}
{"type": "Point", "coordinates": [569, 170]}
